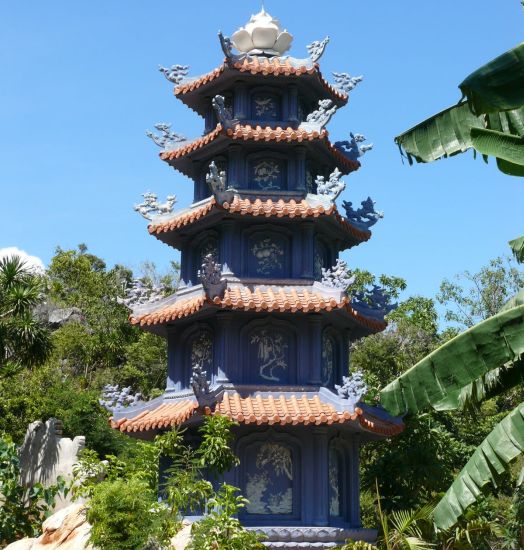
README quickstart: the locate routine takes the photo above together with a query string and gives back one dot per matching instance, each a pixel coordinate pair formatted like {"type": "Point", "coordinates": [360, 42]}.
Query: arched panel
{"type": "Point", "coordinates": [265, 106]}
{"type": "Point", "coordinates": [199, 351]}
{"type": "Point", "coordinates": [322, 258]}
{"type": "Point", "coordinates": [204, 245]}
{"type": "Point", "coordinates": [337, 485]}
{"type": "Point", "coordinates": [270, 477]}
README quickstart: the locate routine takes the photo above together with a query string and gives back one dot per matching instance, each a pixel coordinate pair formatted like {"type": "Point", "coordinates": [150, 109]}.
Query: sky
{"type": "Point", "coordinates": [79, 86]}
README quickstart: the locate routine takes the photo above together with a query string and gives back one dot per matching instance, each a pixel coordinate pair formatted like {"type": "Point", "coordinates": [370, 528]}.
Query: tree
{"type": "Point", "coordinates": [24, 340]}
{"type": "Point", "coordinates": [473, 297]}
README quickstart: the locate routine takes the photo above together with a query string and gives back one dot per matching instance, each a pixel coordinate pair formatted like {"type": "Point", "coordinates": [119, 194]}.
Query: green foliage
{"type": "Point", "coordinates": [24, 341]}
{"type": "Point", "coordinates": [473, 297]}
{"type": "Point", "coordinates": [220, 528]}
{"type": "Point", "coordinates": [22, 509]}
{"type": "Point", "coordinates": [124, 514]}
{"type": "Point", "coordinates": [214, 451]}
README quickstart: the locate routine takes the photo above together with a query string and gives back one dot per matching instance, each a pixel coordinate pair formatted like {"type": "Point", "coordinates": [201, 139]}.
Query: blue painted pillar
{"type": "Point", "coordinates": [320, 477]}
{"type": "Point", "coordinates": [175, 372]}
{"type": "Point", "coordinates": [300, 168]}
{"type": "Point", "coordinates": [292, 113]}
{"type": "Point", "coordinates": [308, 249]}
{"type": "Point", "coordinates": [235, 167]}
{"type": "Point", "coordinates": [354, 482]}
{"type": "Point", "coordinates": [227, 255]}
{"type": "Point", "coordinates": [225, 343]}
{"type": "Point", "coordinates": [315, 349]}
{"type": "Point", "coordinates": [240, 102]}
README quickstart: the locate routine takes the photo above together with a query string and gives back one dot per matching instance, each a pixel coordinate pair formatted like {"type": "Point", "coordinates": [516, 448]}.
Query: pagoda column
{"type": "Point", "coordinates": [292, 113]}
{"type": "Point", "coordinates": [227, 246]}
{"type": "Point", "coordinates": [300, 168]}
{"type": "Point", "coordinates": [240, 102]}
{"type": "Point", "coordinates": [354, 482]}
{"type": "Point", "coordinates": [315, 349]}
{"type": "Point", "coordinates": [321, 477]}
{"type": "Point", "coordinates": [225, 345]}
{"type": "Point", "coordinates": [307, 234]}
{"type": "Point", "coordinates": [235, 166]}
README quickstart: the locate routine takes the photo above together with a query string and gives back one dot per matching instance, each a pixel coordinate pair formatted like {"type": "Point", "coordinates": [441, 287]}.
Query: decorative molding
{"type": "Point", "coordinates": [316, 120]}
{"type": "Point", "coordinates": [151, 208]}
{"type": "Point", "coordinates": [175, 74]}
{"type": "Point", "coordinates": [167, 139]}
{"type": "Point", "coordinates": [337, 276]}
{"type": "Point", "coordinates": [316, 49]}
{"type": "Point", "coordinates": [210, 276]}
{"type": "Point", "coordinates": [305, 537]}
{"type": "Point", "coordinates": [345, 82]}
{"type": "Point", "coordinates": [351, 149]}
{"type": "Point", "coordinates": [365, 217]}
{"type": "Point", "coordinates": [353, 387]}
{"type": "Point", "coordinates": [331, 188]}
{"type": "Point", "coordinates": [223, 114]}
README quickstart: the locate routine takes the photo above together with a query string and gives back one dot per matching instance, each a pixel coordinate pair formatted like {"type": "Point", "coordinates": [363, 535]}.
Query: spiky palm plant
{"type": "Point", "coordinates": [24, 340]}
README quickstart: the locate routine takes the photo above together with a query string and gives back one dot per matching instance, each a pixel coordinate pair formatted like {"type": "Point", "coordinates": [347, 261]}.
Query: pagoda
{"type": "Point", "coordinates": [260, 327]}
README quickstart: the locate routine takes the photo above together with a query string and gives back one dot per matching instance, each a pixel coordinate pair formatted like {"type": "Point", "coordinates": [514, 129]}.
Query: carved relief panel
{"type": "Point", "coordinates": [268, 255]}
{"type": "Point", "coordinates": [322, 259]}
{"type": "Point", "coordinates": [329, 357]}
{"type": "Point", "coordinates": [200, 352]}
{"type": "Point", "coordinates": [270, 355]}
{"type": "Point", "coordinates": [267, 174]}
{"type": "Point", "coordinates": [265, 106]}
{"type": "Point", "coordinates": [269, 478]}
{"type": "Point", "coordinates": [337, 487]}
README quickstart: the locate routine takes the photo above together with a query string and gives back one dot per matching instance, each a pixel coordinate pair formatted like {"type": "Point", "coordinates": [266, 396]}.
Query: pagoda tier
{"type": "Point", "coordinates": [261, 325]}
{"type": "Point", "coordinates": [301, 78]}
{"type": "Point", "coordinates": [236, 232]}
{"type": "Point", "coordinates": [247, 153]}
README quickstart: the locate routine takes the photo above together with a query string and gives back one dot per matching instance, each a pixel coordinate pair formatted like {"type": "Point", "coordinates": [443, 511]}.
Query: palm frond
{"type": "Point", "coordinates": [491, 458]}
{"type": "Point", "coordinates": [437, 380]}
{"type": "Point", "coordinates": [497, 85]}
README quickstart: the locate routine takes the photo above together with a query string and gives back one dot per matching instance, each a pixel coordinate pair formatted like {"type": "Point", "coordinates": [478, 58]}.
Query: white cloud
{"type": "Point", "coordinates": [32, 262]}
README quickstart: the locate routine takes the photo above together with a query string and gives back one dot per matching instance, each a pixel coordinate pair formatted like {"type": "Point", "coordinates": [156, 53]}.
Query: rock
{"type": "Point", "coordinates": [182, 538]}
{"type": "Point", "coordinates": [66, 530]}
{"type": "Point", "coordinates": [45, 455]}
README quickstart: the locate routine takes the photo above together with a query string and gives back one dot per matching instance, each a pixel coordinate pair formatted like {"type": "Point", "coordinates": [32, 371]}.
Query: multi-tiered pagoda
{"type": "Point", "coordinates": [260, 329]}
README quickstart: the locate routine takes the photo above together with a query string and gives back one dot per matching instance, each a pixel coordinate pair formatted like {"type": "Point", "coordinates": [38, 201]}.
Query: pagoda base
{"type": "Point", "coordinates": [309, 538]}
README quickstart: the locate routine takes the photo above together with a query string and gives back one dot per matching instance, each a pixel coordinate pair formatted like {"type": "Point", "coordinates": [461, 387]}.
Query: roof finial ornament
{"type": "Point", "coordinates": [217, 183]}
{"type": "Point", "coordinates": [332, 187]}
{"type": "Point", "coordinates": [316, 120]}
{"type": "Point", "coordinates": [175, 74]}
{"type": "Point", "coordinates": [168, 140]}
{"type": "Point", "coordinates": [351, 149]}
{"type": "Point", "coordinates": [150, 207]}
{"type": "Point", "coordinates": [316, 49]}
{"type": "Point", "coordinates": [223, 113]}
{"type": "Point", "coordinates": [262, 35]}
{"type": "Point", "coordinates": [345, 82]}
{"type": "Point", "coordinates": [365, 217]}
{"type": "Point", "coordinates": [374, 303]}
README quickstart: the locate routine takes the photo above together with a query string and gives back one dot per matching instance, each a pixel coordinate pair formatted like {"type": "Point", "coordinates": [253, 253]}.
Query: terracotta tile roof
{"type": "Point", "coordinates": [258, 133]}
{"type": "Point", "coordinates": [281, 409]}
{"type": "Point", "coordinates": [267, 410]}
{"type": "Point", "coordinates": [163, 416]}
{"type": "Point", "coordinates": [264, 208]}
{"type": "Point", "coordinates": [260, 299]}
{"type": "Point", "coordinates": [255, 65]}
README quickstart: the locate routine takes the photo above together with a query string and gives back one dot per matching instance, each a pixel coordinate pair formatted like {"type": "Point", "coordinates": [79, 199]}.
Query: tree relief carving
{"type": "Point", "coordinates": [334, 483]}
{"type": "Point", "coordinates": [269, 480]}
{"type": "Point", "coordinates": [271, 349]}
{"type": "Point", "coordinates": [202, 350]}
{"type": "Point", "coordinates": [265, 107]}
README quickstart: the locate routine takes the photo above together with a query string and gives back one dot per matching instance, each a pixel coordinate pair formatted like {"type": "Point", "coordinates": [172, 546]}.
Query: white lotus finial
{"type": "Point", "coordinates": [262, 35]}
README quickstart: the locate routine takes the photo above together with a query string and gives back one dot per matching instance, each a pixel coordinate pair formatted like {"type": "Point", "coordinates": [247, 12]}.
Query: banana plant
{"type": "Point", "coordinates": [489, 118]}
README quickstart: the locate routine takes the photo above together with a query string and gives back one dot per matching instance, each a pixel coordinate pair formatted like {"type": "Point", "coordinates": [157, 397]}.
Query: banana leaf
{"type": "Point", "coordinates": [510, 169]}
{"type": "Point", "coordinates": [498, 144]}
{"type": "Point", "coordinates": [498, 85]}
{"type": "Point", "coordinates": [436, 380]}
{"type": "Point", "coordinates": [491, 458]}
{"type": "Point", "coordinates": [517, 246]}
{"type": "Point", "coordinates": [448, 133]}
{"type": "Point", "coordinates": [443, 135]}
{"type": "Point", "coordinates": [515, 301]}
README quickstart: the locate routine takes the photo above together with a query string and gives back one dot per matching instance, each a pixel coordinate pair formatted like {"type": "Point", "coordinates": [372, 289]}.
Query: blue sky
{"type": "Point", "coordinates": [79, 86]}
